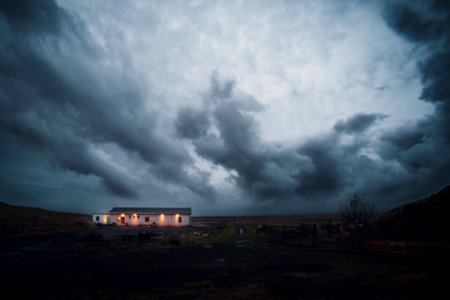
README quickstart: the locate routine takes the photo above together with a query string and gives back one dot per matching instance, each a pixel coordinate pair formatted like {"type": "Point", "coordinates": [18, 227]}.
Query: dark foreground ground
{"type": "Point", "coordinates": [68, 267]}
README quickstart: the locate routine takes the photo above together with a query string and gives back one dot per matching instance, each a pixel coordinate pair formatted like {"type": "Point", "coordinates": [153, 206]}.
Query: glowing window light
{"type": "Point", "coordinates": [119, 218]}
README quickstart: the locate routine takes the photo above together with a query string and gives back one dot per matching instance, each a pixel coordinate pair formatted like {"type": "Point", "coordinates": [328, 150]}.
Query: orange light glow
{"type": "Point", "coordinates": [105, 219]}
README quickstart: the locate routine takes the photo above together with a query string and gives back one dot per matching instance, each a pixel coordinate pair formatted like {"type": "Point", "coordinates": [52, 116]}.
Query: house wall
{"type": "Point", "coordinates": [96, 218]}
{"type": "Point", "coordinates": [158, 220]}
{"type": "Point", "coordinates": [101, 219]}
{"type": "Point", "coordinates": [172, 220]}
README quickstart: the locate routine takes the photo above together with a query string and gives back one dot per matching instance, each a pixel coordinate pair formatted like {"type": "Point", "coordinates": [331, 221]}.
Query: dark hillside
{"type": "Point", "coordinates": [20, 221]}
{"type": "Point", "coordinates": [424, 220]}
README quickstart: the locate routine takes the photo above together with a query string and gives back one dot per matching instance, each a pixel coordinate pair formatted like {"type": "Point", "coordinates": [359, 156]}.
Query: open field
{"type": "Point", "coordinates": [273, 220]}
{"type": "Point", "coordinates": [208, 264]}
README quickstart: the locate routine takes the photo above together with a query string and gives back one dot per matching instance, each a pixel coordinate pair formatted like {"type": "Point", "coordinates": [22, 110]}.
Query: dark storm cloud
{"type": "Point", "coordinates": [358, 123]}
{"type": "Point", "coordinates": [191, 123]}
{"type": "Point", "coordinates": [331, 165]}
{"type": "Point", "coordinates": [38, 16]}
{"type": "Point", "coordinates": [261, 171]}
{"type": "Point", "coordinates": [38, 105]}
{"type": "Point", "coordinates": [435, 74]}
{"type": "Point", "coordinates": [57, 97]}
{"type": "Point", "coordinates": [421, 148]}
{"type": "Point", "coordinates": [66, 107]}
{"type": "Point", "coordinates": [318, 167]}
{"type": "Point", "coordinates": [404, 138]}
{"type": "Point", "coordinates": [324, 178]}
{"type": "Point", "coordinates": [413, 21]}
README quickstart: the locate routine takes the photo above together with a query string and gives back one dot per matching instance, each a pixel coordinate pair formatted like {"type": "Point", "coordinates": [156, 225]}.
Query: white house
{"type": "Point", "coordinates": [151, 216]}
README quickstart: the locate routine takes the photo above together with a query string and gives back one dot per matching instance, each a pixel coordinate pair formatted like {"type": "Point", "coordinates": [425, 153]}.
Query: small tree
{"type": "Point", "coordinates": [356, 212]}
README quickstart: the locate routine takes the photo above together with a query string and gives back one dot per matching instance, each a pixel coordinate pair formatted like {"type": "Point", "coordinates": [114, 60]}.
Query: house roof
{"type": "Point", "coordinates": [153, 210]}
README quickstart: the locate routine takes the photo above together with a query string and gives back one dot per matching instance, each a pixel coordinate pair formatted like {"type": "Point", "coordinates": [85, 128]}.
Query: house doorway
{"type": "Point", "coordinates": [122, 220]}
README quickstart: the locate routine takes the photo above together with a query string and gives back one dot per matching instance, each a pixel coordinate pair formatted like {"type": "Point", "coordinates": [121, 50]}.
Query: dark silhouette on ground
{"type": "Point", "coordinates": [423, 220]}
{"type": "Point", "coordinates": [273, 258]}
{"type": "Point", "coordinates": [356, 213]}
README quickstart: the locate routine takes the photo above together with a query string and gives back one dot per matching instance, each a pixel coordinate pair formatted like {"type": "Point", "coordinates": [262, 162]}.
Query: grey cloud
{"type": "Point", "coordinates": [419, 147]}
{"type": "Point", "coordinates": [191, 123]}
{"type": "Point", "coordinates": [414, 20]}
{"type": "Point", "coordinates": [38, 16]}
{"type": "Point", "coordinates": [323, 167]}
{"type": "Point", "coordinates": [64, 103]}
{"type": "Point", "coordinates": [220, 89]}
{"type": "Point", "coordinates": [358, 123]}
{"type": "Point", "coordinates": [325, 177]}
{"type": "Point", "coordinates": [70, 107]}
{"type": "Point", "coordinates": [261, 173]}
{"type": "Point", "coordinates": [68, 151]}
{"type": "Point", "coordinates": [78, 158]}
{"type": "Point", "coordinates": [404, 138]}
{"type": "Point", "coordinates": [435, 74]}
{"type": "Point", "coordinates": [319, 167]}
{"type": "Point", "coordinates": [40, 106]}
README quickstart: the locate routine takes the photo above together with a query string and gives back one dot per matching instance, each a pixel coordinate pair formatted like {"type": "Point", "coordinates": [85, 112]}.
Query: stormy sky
{"type": "Point", "coordinates": [228, 107]}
